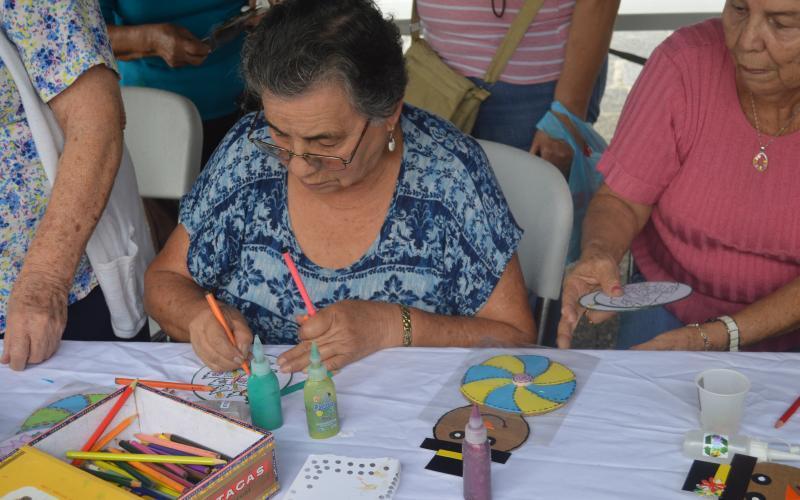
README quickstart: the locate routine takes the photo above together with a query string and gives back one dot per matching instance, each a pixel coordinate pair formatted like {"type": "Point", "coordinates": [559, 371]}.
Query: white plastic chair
{"type": "Point", "coordinates": [164, 135]}
{"type": "Point", "coordinates": [539, 198]}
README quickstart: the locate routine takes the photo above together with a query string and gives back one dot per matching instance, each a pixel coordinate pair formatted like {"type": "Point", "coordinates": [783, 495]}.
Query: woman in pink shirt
{"type": "Point", "coordinates": [702, 184]}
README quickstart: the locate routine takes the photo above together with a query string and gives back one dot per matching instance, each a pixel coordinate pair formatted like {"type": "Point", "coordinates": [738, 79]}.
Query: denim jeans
{"type": "Point", "coordinates": [510, 114]}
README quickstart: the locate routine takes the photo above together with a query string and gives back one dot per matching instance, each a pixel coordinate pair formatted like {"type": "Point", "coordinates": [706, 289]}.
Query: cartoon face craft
{"type": "Point", "coordinates": [774, 481]}
{"type": "Point", "coordinates": [744, 478]}
{"type": "Point", "coordinates": [506, 432]}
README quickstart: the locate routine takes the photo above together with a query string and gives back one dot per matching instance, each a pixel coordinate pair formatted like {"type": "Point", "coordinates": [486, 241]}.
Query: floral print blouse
{"type": "Point", "coordinates": [447, 238]}
{"type": "Point", "coordinates": [57, 42]}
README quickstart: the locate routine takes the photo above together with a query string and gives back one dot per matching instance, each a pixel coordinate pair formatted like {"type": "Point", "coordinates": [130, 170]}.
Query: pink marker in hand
{"type": "Point", "coordinates": [287, 258]}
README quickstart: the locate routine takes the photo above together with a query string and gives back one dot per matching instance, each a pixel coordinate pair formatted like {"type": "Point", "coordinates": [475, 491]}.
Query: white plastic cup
{"type": "Point", "coordinates": [722, 393]}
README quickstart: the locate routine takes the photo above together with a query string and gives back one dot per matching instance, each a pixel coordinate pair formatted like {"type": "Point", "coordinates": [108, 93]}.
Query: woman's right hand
{"type": "Point", "coordinates": [211, 344]}
{"type": "Point", "coordinates": [177, 46]}
{"type": "Point", "coordinates": [597, 270]}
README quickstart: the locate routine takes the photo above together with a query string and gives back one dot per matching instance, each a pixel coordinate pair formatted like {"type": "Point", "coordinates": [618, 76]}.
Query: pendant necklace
{"type": "Point", "coordinates": [761, 160]}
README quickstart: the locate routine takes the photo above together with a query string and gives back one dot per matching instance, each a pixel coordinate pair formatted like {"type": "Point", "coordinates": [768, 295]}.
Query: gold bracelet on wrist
{"type": "Point", "coordinates": [405, 317]}
{"type": "Point", "coordinates": [706, 342]}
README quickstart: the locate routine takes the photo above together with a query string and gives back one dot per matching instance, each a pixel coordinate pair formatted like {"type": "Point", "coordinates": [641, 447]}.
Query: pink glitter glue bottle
{"type": "Point", "coordinates": [477, 459]}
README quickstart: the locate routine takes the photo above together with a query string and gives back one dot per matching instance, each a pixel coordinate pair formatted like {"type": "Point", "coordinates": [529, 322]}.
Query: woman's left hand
{"type": "Point", "coordinates": [556, 151]}
{"type": "Point", "coordinates": [345, 332]}
{"type": "Point", "coordinates": [681, 339]}
{"type": "Point", "coordinates": [37, 314]}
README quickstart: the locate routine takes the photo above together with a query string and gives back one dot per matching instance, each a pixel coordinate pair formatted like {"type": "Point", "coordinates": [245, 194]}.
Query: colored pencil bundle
{"type": "Point", "coordinates": [162, 466]}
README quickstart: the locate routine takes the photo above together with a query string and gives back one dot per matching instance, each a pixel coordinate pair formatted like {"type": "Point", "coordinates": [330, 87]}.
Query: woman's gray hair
{"type": "Point", "coordinates": [302, 43]}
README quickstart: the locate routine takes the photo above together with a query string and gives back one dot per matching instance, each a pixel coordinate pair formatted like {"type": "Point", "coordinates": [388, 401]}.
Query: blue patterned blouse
{"type": "Point", "coordinates": [446, 240]}
{"type": "Point", "coordinates": [57, 41]}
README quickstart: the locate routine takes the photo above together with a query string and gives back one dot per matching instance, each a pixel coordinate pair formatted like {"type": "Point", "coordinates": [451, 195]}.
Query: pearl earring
{"type": "Point", "coordinates": [392, 145]}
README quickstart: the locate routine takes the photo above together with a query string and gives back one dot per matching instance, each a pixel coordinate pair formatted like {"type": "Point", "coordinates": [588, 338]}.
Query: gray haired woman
{"type": "Point", "coordinates": [392, 216]}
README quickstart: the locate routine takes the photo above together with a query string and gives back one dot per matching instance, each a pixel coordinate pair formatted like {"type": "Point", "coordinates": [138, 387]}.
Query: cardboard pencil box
{"type": "Point", "coordinates": [251, 474]}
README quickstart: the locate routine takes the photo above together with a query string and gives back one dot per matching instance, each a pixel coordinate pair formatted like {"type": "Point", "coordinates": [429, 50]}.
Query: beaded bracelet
{"type": "Point", "coordinates": [706, 342]}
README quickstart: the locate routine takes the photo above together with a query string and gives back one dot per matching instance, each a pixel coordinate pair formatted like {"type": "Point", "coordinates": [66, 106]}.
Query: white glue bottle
{"type": "Point", "coordinates": [720, 448]}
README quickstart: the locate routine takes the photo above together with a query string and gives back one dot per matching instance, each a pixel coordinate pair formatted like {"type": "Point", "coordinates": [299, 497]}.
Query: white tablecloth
{"type": "Point", "coordinates": [619, 437]}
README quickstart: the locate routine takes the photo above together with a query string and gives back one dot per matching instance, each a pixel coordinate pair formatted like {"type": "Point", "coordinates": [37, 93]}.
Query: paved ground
{"type": "Point", "coordinates": [621, 77]}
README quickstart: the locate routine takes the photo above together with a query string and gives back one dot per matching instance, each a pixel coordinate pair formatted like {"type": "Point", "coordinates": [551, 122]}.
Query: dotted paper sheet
{"type": "Point", "coordinates": [335, 477]}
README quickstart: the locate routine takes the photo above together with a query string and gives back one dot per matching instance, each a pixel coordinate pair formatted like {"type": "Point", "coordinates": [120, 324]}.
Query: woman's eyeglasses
{"type": "Point", "coordinates": [284, 155]}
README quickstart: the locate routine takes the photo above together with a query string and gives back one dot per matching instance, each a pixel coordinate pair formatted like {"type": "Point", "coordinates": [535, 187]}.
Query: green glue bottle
{"type": "Point", "coordinates": [263, 391]}
{"type": "Point", "coordinates": [319, 394]}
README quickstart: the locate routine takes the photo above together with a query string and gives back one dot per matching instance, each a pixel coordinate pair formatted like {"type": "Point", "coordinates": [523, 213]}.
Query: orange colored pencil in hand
{"type": "Point", "coordinates": [212, 303]}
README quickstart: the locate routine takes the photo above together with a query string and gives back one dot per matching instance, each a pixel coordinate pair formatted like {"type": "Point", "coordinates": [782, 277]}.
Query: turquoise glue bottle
{"type": "Point", "coordinates": [263, 391]}
{"type": "Point", "coordinates": [319, 394]}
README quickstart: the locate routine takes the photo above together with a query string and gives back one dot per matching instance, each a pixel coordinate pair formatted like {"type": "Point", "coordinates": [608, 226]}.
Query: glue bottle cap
{"type": "Point", "coordinates": [316, 370]}
{"type": "Point", "coordinates": [475, 432]}
{"type": "Point", "coordinates": [260, 364]}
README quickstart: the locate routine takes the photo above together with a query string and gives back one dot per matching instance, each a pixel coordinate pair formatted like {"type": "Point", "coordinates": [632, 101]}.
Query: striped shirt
{"type": "Point", "coordinates": [466, 35]}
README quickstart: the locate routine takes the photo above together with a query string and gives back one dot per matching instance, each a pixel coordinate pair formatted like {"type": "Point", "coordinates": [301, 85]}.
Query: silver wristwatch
{"type": "Point", "coordinates": [733, 332]}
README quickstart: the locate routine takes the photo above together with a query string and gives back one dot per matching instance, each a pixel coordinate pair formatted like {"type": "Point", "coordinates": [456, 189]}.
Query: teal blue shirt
{"type": "Point", "coordinates": [213, 86]}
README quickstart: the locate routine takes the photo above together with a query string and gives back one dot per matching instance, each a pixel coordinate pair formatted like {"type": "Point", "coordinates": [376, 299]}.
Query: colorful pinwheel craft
{"type": "Point", "coordinates": [530, 385]}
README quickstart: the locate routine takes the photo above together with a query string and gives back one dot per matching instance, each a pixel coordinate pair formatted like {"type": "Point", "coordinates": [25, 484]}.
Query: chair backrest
{"type": "Point", "coordinates": [540, 200]}
{"type": "Point", "coordinates": [164, 135]}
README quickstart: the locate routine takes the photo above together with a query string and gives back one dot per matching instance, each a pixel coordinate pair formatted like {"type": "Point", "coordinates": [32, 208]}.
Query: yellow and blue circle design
{"type": "Point", "coordinates": [527, 384]}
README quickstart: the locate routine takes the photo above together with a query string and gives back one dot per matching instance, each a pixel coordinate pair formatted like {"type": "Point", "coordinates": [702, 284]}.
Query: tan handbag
{"type": "Point", "coordinates": [434, 87]}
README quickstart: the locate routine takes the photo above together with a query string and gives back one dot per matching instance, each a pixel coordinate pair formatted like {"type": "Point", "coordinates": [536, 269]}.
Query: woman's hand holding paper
{"type": "Point", "coordinates": [597, 270]}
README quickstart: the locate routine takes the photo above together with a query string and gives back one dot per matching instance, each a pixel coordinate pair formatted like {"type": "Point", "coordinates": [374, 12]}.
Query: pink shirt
{"type": "Point", "coordinates": [466, 35]}
{"type": "Point", "coordinates": [684, 146]}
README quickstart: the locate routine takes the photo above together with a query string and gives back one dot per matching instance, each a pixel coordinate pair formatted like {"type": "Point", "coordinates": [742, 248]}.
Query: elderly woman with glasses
{"type": "Point", "coordinates": [392, 216]}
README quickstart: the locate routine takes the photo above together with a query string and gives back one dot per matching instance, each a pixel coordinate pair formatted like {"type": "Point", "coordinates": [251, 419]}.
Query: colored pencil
{"type": "Point", "coordinates": [108, 467]}
{"type": "Point", "coordinates": [167, 491]}
{"type": "Point", "coordinates": [192, 475]}
{"type": "Point", "coordinates": [287, 258]}
{"type": "Point", "coordinates": [163, 450]}
{"type": "Point", "coordinates": [161, 469]}
{"type": "Point", "coordinates": [188, 442]}
{"type": "Point", "coordinates": [193, 450]}
{"type": "Point", "coordinates": [114, 478]}
{"type": "Point", "coordinates": [212, 303]}
{"type": "Point", "coordinates": [113, 433]}
{"type": "Point", "coordinates": [142, 491]}
{"type": "Point", "coordinates": [178, 479]}
{"type": "Point", "coordinates": [152, 493]}
{"type": "Point", "coordinates": [143, 457]}
{"type": "Point", "coordinates": [146, 481]}
{"type": "Point", "coordinates": [160, 384]}
{"type": "Point", "coordinates": [134, 447]}
{"type": "Point", "coordinates": [107, 420]}
{"type": "Point", "coordinates": [788, 413]}
{"type": "Point", "coordinates": [152, 474]}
